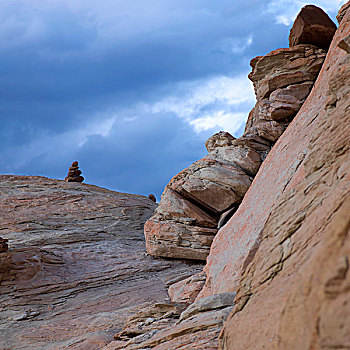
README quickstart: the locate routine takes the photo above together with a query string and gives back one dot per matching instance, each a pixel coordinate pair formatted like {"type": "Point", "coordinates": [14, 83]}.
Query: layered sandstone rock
{"type": "Point", "coordinates": [77, 266]}
{"type": "Point", "coordinates": [293, 285]}
{"type": "Point", "coordinates": [312, 26]}
{"type": "Point", "coordinates": [205, 195]}
{"type": "Point", "coordinates": [74, 174]}
{"type": "Point", "coordinates": [286, 249]}
{"type": "Point", "coordinates": [161, 326]}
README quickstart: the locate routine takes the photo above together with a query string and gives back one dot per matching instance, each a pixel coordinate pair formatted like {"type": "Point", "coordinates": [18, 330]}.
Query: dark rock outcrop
{"type": "Point", "coordinates": [77, 267]}
{"type": "Point", "coordinates": [312, 26]}
{"type": "Point", "coordinates": [74, 174]}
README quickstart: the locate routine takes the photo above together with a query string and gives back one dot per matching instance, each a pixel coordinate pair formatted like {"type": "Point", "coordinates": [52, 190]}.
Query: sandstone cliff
{"type": "Point", "coordinates": [286, 249]}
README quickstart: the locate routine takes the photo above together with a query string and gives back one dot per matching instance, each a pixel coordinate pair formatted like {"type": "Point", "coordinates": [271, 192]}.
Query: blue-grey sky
{"type": "Point", "coordinates": [131, 89]}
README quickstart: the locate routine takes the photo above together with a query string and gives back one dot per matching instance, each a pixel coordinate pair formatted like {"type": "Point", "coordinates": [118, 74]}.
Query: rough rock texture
{"type": "Point", "coordinates": [186, 290]}
{"type": "Point", "coordinates": [74, 174]}
{"type": "Point", "coordinates": [205, 195]}
{"type": "Point", "coordinates": [288, 254]}
{"type": "Point", "coordinates": [343, 11]}
{"type": "Point", "coordinates": [3, 245]}
{"type": "Point", "coordinates": [220, 139]}
{"type": "Point", "coordinates": [312, 26]}
{"type": "Point", "coordinates": [345, 44]}
{"type": "Point", "coordinates": [77, 266]}
{"type": "Point", "coordinates": [158, 327]}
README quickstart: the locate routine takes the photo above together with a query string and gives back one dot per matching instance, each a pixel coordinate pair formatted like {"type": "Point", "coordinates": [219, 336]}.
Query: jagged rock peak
{"type": "Point", "coordinates": [312, 26]}
{"type": "Point", "coordinates": [74, 174]}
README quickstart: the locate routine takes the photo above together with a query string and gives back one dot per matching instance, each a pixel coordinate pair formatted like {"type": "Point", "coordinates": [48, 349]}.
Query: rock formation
{"type": "Point", "coordinates": [77, 267]}
{"type": "Point", "coordinates": [277, 276]}
{"type": "Point", "coordinates": [295, 280]}
{"type": "Point", "coordinates": [152, 197]}
{"type": "Point", "coordinates": [3, 245]}
{"type": "Point", "coordinates": [74, 174]}
{"type": "Point", "coordinates": [201, 198]}
{"type": "Point", "coordinates": [312, 26]}
{"type": "Point", "coordinates": [286, 250]}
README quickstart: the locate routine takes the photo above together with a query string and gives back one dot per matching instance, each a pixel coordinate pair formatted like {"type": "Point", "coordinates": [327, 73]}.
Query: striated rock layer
{"type": "Point", "coordinates": [286, 250]}
{"type": "Point", "coordinates": [201, 198]}
{"type": "Point", "coordinates": [294, 284]}
{"type": "Point", "coordinates": [76, 266]}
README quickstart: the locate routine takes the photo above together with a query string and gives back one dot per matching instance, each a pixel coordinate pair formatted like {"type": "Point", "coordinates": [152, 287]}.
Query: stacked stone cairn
{"type": "Point", "coordinates": [3, 245]}
{"type": "Point", "coordinates": [204, 196]}
{"type": "Point", "coordinates": [74, 174]}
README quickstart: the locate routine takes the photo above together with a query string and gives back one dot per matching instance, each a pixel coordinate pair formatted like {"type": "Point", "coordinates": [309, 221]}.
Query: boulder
{"type": "Point", "coordinates": [312, 26]}
{"type": "Point", "coordinates": [175, 207]}
{"type": "Point", "coordinates": [212, 184]}
{"type": "Point", "coordinates": [220, 139]}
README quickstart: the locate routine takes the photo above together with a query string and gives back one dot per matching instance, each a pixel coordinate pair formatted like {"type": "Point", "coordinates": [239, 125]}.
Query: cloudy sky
{"type": "Point", "coordinates": [129, 88]}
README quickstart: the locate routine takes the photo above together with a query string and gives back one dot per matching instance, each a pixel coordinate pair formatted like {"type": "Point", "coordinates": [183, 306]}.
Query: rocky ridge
{"type": "Point", "coordinates": [76, 266]}
{"type": "Point", "coordinates": [201, 198]}
{"type": "Point", "coordinates": [287, 256]}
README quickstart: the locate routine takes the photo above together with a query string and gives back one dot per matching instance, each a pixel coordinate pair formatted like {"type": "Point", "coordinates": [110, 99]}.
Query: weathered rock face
{"type": "Point", "coordinates": [288, 257]}
{"type": "Point", "coordinates": [196, 328]}
{"type": "Point", "coordinates": [77, 266]}
{"type": "Point", "coordinates": [312, 26]}
{"type": "Point", "coordinates": [220, 139]}
{"type": "Point", "coordinates": [3, 245]}
{"type": "Point", "coordinates": [343, 11]}
{"type": "Point", "coordinates": [287, 248]}
{"type": "Point", "coordinates": [74, 174]}
{"type": "Point", "coordinates": [205, 195]}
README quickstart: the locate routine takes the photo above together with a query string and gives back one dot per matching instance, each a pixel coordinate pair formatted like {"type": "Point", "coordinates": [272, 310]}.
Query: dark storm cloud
{"type": "Point", "coordinates": [130, 89]}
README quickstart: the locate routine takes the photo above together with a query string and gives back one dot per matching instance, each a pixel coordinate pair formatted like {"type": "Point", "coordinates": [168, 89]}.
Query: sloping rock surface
{"type": "Point", "coordinates": [76, 267]}
{"type": "Point", "coordinates": [288, 255]}
{"type": "Point", "coordinates": [286, 250]}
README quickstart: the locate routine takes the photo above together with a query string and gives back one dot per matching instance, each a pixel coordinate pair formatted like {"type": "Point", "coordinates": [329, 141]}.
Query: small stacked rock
{"type": "Point", "coordinates": [74, 174]}
{"type": "Point", "coordinates": [152, 197]}
{"type": "Point", "coordinates": [3, 245]}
